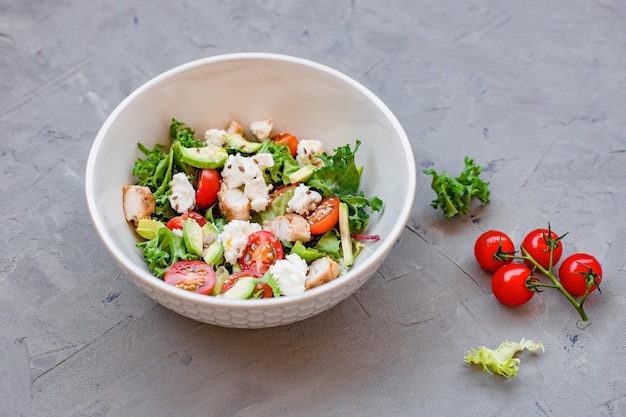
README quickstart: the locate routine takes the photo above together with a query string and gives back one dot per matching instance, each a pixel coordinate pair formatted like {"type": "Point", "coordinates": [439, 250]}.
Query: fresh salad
{"type": "Point", "coordinates": [247, 213]}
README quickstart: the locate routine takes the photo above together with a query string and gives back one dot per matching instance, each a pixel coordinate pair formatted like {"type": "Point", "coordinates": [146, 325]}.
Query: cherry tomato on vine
{"type": "Point", "coordinates": [289, 140]}
{"type": "Point", "coordinates": [177, 222]}
{"type": "Point", "coordinates": [488, 245]}
{"type": "Point", "coordinates": [209, 182]}
{"type": "Point", "coordinates": [509, 284]}
{"type": "Point", "coordinates": [263, 290]}
{"type": "Point", "coordinates": [193, 275]}
{"type": "Point", "coordinates": [325, 216]}
{"type": "Point", "coordinates": [538, 243]}
{"type": "Point", "coordinates": [577, 270]}
{"type": "Point", "coordinates": [261, 251]}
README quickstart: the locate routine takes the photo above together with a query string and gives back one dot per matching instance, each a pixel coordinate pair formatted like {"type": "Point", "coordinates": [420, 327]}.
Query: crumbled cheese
{"type": "Point", "coordinates": [215, 137]}
{"type": "Point", "coordinates": [263, 160]}
{"type": "Point", "coordinates": [234, 238]}
{"type": "Point", "coordinates": [183, 196]}
{"type": "Point", "coordinates": [304, 200]}
{"type": "Point", "coordinates": [308, 150]}
{"type": "Point", "coordinates": [238, 170]}
{"type": "Point", "coordinates": [290, 273]}
{"type": "Point", "coordinates": [261, 129]}
{"type": "Point", "coordinates": [247, 172]}
{"type": "Point", "coordinates": [257, 193]}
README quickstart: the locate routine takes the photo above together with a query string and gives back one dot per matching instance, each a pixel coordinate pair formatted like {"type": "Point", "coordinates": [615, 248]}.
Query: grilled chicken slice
{"type": "Point", "coordinates": [290, 227]}
{"type": "Point", "coordinates": [234, 204]}
{"type": "Point", "coordinates": [320, 272]}
{"type": "Point", "coordinates": [138, 203]}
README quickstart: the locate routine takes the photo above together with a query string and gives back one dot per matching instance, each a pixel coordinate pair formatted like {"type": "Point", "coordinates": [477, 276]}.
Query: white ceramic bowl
{"type": "Point", "coordinates": [307, 99]}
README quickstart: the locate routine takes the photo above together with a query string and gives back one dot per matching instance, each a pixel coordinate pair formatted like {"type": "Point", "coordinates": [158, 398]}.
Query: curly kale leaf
{"type": "Point", "coordinates": [182, 133]}
{"type": "Point", "coordinates": [454, 195]}
{"type": "Point", "coordinates": [150, 171]}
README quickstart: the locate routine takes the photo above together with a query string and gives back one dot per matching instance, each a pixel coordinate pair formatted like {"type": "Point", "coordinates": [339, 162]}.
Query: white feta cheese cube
{"type": "Point", "coordinates": [234, 238]}
{"type": "Point", "coordinates": [238, 170]}
{"type": "Point", "coordinates": [183, 196]}
{"type": "Point", "coordinates": [215, 137]}
{"type": "Point", "coordinates": [308, 150]}
{"type": "Point", "coordinates": [290, 273]}
{"type": "Point", "coordinates": [304, 200]}
{"type": "Point", "coordinates": [257, 193]}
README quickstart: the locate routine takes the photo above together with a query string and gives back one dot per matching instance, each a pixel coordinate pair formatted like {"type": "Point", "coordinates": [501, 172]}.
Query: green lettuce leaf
{"type": "Point", "coordinates": [501, 360]}
{"type": "Point", "coordinates": [165, 249]}
{"type": "Point", "coordinates": [340, 177]}
{"type": "Point", "coordinates": [277, 207]}
{"type": "Point", "coordinates": [330, 244]}
{"type": "Point", "coordinates": [156, 171]}
{"type": "Point", "coordinates": [284, 163]}
{"type": "Point", "coordinates": [308, 254]}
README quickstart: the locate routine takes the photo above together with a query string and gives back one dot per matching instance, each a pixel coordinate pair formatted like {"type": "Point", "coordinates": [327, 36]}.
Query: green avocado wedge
{"type": "Point", "coordinates": [239, 143]}
{"type": "Point", "coordinates": [241, 290]}
{"type": "Point", "coordinates": [212, 249]}
{"type": "Point", "coordinates": [192, 237]}
{"type": "Point", "coordinates": [210, 156]}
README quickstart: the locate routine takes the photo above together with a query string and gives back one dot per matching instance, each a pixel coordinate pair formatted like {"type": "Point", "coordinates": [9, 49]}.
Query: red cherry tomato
{"type": "Point", "coordinates": [288, 140]}
{"type": "Point", "coordinates": [325, 216]}
{"type": "Point", "coordinates": [261, 251]}
{"type": "Point", "coordinates": [488, 245]}
{"type": "Point", "coordinates": [177, 222]}
{"type": "Point", "coordinates": [209, 182]}
{"type": "Point", "coordinates": [577, 270]}
{"type": "Point", "coordinates": [195, 276]}
{"type": "Point", "coordinates": [262, 290]}
{"type": "Point", "coordinates": [538, 243]}
{"type": "Point", "coordinates": [509, 284]}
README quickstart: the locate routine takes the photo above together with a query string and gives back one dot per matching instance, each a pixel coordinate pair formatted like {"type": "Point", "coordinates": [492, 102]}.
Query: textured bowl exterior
{"type": "Point", "coordinates": [302, 97]}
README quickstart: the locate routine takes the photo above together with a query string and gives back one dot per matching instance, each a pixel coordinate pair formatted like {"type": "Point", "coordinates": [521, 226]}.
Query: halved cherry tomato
{"type": "Point", "coordinates": [577, 270]}
{"type": "Point", "coordinates": [263, 290]}
{"type": "Point", "coordinates": [262, 250]}
{"type": "Point", "coordinates": [209, 182]}
{"type": "Point", "coordinates": [509, 284]}
{"type": "Point", "coordinates": [177, 222]}
{"type": "Point", "coordinates": [193, 275]}
{"type": "Point", "coordinates": [289, 140]}
{"type": "Point", "coordinates": [325, 216]}
{"type": "Point", "coordinates": [488, 245]}
{"type": "Point", "coordinates": [538, 243]}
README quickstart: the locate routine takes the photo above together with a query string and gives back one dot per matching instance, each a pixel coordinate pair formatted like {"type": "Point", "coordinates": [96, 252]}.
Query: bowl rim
{"type": "Point", "coordinates": [149, 280]}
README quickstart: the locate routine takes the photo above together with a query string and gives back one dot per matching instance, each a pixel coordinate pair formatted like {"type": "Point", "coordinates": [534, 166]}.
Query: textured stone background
{"type": "Point", "coordinates": [534, 91]}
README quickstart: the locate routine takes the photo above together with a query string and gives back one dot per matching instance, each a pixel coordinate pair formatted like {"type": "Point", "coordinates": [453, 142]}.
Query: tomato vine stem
{"type": "Point", "coordinates": [578, 305]}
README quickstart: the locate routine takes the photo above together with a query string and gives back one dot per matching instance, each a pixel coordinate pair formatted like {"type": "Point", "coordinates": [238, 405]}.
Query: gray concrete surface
{"type": "Point", "coordinates": [534, 91]}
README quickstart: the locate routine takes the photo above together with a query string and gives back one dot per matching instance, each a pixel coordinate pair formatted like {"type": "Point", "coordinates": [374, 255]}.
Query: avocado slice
{"type": "Point", "coordinates": [303, 174]}
{"type": "Point", "coordinates": [210, 156]}
{"type": "Point", "coordinates": [221, 275]}
{"type": "Point", "coordinates": [148, 228]}
{"type": "Point", "coordinates": [192, 237]}
{"type": "Point", "coordinates": [241, 144]}
{"type": "Point", "coordinates": [212, 251]}
{"type": "Point", "coordinates": [241, 290]}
